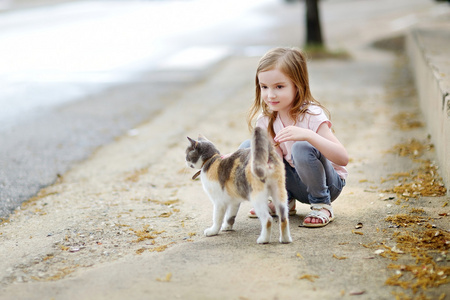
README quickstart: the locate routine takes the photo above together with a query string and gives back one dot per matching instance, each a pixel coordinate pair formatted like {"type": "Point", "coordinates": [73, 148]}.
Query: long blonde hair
{"type": "Point", "coordinates": [292, 63]}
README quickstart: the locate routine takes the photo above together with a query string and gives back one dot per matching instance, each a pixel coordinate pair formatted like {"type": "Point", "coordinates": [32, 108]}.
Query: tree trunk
{"type": "Point", "coordinates": [313, 29]}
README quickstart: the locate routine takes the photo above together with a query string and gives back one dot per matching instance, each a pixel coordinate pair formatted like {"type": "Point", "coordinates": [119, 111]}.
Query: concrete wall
{"type": "Point", "coordinates": [428, 50]}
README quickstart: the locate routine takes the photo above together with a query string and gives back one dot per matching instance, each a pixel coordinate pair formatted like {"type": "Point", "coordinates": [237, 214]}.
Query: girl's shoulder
{"type": "Point", "coordinates": [312, 112]}
{"type": "Point", "coordinates": [315, 109]}
{"type": "Point", "coordinates": [313, 118]}
{"type": "Point", "coordinates": [262, 120]}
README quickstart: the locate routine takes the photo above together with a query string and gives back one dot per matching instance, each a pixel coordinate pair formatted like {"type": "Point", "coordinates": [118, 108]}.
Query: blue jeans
{"type": "Point", "coordinates": [313, 180]}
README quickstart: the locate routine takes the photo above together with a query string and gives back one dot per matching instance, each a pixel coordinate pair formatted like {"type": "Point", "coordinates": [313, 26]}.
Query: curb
{"type": "Point", "coordinates": [427, 48]}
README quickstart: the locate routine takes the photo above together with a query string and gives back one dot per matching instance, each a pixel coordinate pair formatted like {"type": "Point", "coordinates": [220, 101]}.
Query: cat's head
{"type": "Point", "coordinates": [199, 151]}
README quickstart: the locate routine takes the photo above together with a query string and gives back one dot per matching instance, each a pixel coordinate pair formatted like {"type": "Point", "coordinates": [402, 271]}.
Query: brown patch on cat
{"type": "Point", "coordinates": [229, 184]}
{"type": "Point", "coordinates": [254, 182]}
{"type": "Point", "coordinates": [283, 224]}
{"type": "Point", "coordinates": [268, 224]}
{"type": "Point", "coordinates": [212, 173]}
{"type": "Point", "coordinates": [231, 174]}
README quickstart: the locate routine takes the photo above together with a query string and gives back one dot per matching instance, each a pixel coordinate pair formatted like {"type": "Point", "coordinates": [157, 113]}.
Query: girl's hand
{"type": "Point", "coordinates": [324, 141]}
{"type": "Point", "coordinates": [292, 133]}
{"type": "Point", "coordinates": [226, 155]}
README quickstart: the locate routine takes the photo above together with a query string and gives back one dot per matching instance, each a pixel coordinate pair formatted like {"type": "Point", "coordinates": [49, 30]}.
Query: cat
{"type": "Point", "coordinates": [253, 174]}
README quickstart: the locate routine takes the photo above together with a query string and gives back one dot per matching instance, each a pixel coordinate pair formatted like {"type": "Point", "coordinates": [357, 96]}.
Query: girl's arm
{"type": "Point", "coordinates": [324, 141]}
{"type": "Point", "coordinates": [279, 151]}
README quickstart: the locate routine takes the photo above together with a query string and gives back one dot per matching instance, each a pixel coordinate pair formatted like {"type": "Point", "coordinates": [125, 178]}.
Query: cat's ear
{"type": "Point", "coordinates": [202, 138]}
{"type": "Point", "coordinates": [193, 142]}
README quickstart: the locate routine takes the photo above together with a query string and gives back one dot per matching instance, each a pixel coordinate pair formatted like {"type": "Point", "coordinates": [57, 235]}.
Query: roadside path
{"type": "Point", "coordinates": [127, 223]}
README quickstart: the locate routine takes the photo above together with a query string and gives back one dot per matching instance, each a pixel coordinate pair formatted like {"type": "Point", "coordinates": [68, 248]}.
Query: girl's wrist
{"type": "Point", "coordinates": [309, 136]}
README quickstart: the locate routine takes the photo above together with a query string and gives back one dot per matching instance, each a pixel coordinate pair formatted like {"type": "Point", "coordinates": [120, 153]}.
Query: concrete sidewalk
{"type": "Point", "coordinates": [128, 222]}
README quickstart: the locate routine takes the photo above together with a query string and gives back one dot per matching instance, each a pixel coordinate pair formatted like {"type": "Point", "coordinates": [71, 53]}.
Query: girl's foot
{"type": "Point", "coordinates": [314, 220]}
{"type": "Point", "coordinates": [320, 215]}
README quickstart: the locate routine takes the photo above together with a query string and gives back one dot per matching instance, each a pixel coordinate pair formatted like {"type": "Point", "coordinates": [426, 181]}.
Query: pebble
{"type": "Point", "coordinates": [357, 292]}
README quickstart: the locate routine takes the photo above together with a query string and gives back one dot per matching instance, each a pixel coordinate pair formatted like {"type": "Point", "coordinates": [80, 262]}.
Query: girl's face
{"type": "Point", "coordinates": [277, 90]}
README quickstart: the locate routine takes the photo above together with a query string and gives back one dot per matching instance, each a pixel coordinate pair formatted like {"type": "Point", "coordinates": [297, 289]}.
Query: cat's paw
{"type": "Point", "coordinates": [263, 240]}
{"type": "Point", "coordinates": [285, 240]}
{"type": "Point", "coordinates": [211, 231]}
{"type": "Point", "coordinates": [227, 227]}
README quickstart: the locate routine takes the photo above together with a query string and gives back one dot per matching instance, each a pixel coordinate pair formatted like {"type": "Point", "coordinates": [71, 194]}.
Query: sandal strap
{"type": "Point", "coordinates": [291, 205]}
{"type": "Point", "coordinates": [319, 207]}
{"type": "Point", "coordinates": [319, 215]}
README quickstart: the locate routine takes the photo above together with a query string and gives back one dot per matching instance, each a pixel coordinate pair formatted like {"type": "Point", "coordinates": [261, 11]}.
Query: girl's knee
{"type": "Point", "coordinates": [302, 150]}
{"type": "Point", "coordinates": [301, 146]}
{"type": "Point", "coordinates": [245, 144]}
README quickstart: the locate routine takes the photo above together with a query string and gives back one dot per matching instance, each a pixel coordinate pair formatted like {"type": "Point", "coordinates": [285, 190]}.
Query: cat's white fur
{"type": "Point", "coordinates": [226, 206]}
{"type": "Point", "coordinates": [225, 195]}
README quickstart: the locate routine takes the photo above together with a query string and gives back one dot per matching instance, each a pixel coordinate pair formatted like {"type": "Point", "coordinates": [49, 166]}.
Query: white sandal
{"type": "Point", "coordinates": [318, 214]}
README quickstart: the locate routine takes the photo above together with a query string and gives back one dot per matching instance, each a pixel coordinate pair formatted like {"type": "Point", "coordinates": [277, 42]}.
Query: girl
{"type": "Point", "coordinates": [314, 158]}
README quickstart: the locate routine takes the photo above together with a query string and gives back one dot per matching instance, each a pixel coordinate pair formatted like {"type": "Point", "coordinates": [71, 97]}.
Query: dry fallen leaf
{"type": "Point", "coordinates": [407, 120]}
{"type": "Point", "coordinates": [339, 257]}
{"type": "Point", "coordinates": [165, 215]}
{"type": "Point", "coordinates": [159, 248]}
{"type": "Point", "coordinates": [140, 251]}
{"type": "Point", "coordinates": [167, 279]}
{"type": "Point", "coordinates": [309, 277]}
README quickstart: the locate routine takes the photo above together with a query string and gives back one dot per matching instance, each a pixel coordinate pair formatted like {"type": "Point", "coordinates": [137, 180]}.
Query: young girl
{"type": "Point", "coordinates": [314, 158]}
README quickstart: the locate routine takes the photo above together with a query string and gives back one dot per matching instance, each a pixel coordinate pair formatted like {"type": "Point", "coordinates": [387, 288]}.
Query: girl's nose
{"type": "Point", "coordinates": [271, 94]}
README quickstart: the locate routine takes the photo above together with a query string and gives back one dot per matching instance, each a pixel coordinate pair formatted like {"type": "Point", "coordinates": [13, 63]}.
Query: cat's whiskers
{"type": "Point", "coordinates": [185, 170]}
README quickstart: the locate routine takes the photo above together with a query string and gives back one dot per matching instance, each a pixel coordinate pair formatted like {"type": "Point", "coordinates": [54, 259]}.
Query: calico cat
{"type": "Point", "coordinates": [253, 174]}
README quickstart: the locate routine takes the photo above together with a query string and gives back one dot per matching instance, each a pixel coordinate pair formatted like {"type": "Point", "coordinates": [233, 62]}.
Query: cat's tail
{"type": "Point", "coordinates": [260, 150]}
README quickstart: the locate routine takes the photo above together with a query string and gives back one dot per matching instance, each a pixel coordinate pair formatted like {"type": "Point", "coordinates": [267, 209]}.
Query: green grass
{"type": "Point", "coordinates": [314, 51]}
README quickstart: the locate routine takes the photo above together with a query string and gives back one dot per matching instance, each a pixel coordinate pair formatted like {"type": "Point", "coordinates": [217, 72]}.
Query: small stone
{"type": "Point", "coordinates": [74, 249]}
{"type": "Point", "coordinates": [357, 292]}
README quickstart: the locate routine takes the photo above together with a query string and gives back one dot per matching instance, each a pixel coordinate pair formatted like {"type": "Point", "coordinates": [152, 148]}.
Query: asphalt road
{"type": "Point", "coordinates": [76, 75]}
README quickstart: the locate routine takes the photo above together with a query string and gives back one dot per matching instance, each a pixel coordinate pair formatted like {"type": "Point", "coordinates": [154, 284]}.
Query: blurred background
{"type": "Point", "coordinates": [74, 75]}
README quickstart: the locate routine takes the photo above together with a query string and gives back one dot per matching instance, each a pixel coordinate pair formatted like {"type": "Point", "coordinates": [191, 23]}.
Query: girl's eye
{"type": "Point", "coordinates": [279, 86]}
{"type": "Point", "coordinates": [263, 87]}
